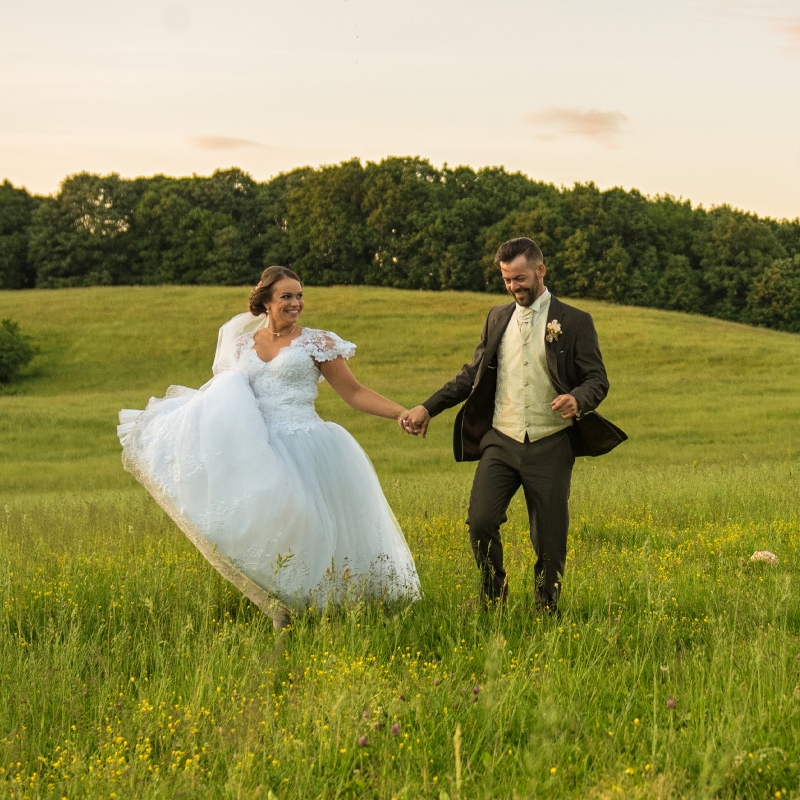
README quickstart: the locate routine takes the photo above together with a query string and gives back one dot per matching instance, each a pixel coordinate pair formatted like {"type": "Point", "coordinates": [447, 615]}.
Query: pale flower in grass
{"type": "Point", "coordinates": [765, 556]}
{"type": "Point", "coordinates": [553, 330]}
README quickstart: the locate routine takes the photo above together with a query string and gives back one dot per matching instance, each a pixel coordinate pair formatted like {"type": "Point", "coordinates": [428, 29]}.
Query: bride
{"type": "Point", "coordinates": [283, 504]}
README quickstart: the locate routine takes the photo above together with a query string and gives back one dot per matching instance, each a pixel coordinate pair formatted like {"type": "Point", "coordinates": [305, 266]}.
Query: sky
{"type": "Point", "coordinates": [699, 99]}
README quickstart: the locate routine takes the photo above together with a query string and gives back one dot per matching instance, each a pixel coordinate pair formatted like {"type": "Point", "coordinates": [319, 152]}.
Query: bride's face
{"type": "Point", "coordinates": [286, 303]}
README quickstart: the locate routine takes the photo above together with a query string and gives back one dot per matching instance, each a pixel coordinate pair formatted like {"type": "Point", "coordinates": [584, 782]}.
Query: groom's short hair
{"type": "Point", "coordinates": [523, 246]}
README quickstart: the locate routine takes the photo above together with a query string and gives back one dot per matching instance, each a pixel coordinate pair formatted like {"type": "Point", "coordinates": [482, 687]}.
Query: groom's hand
{"type": "Point", "coordinates": [566, 405]}
{"type": "Point", "coordinates": [416, 421]}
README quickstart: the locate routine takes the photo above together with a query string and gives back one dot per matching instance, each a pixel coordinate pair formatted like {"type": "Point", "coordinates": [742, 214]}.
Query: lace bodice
{"type": "Point", "coordinates": [286, 386]}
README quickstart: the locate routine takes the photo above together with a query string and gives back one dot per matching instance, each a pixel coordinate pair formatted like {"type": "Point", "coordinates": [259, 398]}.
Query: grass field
{"type": "Point", "coordinates": [128, 668]}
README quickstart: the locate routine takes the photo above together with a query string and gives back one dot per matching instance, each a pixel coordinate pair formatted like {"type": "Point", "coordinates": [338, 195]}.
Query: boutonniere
{"type": "Point", "coordinates": [553, 331]}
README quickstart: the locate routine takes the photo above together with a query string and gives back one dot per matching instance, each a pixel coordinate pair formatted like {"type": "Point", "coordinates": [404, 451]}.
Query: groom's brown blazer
{"type": "Point", "coordinates": [575, 367]}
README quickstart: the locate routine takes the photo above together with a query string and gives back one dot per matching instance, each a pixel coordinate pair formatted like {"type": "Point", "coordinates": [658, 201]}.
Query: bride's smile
{"type": "Point", "coordinates": [285, 305]}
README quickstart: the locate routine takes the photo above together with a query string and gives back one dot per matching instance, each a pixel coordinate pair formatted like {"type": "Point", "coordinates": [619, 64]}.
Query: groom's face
{"type": "Point", "coordinates": [523, 280]}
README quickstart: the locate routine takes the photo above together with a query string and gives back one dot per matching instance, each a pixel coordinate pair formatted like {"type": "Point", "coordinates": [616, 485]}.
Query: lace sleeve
{"type": "Point", "coordinates": [326, 346]}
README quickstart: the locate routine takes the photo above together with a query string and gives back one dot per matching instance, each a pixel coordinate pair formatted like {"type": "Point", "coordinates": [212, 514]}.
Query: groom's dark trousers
{"type": "Point", "coordinates": [544, 467]}
{"type": "Point", "coordinates": [544, 470]}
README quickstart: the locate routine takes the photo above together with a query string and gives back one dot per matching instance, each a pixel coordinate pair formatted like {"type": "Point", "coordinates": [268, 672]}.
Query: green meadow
{"type": "Point", "coordinates": [129, 668]}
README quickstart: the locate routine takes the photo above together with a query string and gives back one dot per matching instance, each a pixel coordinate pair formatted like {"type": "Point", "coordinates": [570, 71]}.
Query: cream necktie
{"type": "Point", "coordinates": [525, 317]}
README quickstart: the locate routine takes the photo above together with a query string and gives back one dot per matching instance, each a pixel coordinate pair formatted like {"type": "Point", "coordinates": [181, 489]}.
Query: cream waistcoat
{"type": "Point", "coordinates": [524, 391]}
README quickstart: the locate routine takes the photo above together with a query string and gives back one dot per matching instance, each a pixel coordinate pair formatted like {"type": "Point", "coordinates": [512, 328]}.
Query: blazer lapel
{"type": "Point", "coordinates": [496, 335]}
{"type": "Point", "coordinates": [553, 313]}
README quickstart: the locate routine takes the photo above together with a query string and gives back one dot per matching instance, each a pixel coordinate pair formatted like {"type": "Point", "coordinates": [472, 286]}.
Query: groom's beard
{"type": "Point", "coordinates": [525, 297]}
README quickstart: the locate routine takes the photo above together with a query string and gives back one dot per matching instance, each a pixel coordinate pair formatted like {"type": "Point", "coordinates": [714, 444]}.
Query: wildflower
{"type": "Point", "coordinates": [362, 741]}
{"type": "Point", "coordinates": [396, 728]}
{"type": "Point", "coordinates": [436, 681]}
{"type": "Point", "coordinates": [672, 702]}
{"type": "Point", "coordinates": [365, 714]}
{"type": "Point", "coordinates": [553, 770]}
{"type": "Point", "coordinates": [476, 689]}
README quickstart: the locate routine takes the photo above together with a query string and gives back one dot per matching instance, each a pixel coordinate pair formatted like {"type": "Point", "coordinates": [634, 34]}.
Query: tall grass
{"type": "Point", "coordinates": [129, 668]}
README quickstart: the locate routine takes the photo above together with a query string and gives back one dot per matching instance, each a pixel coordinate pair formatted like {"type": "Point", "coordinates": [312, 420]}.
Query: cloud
{"type": "Point", "coordinates": [779, 16]}
{"type": "Point", "coordinates": [790, 30]}
{"type": "Point", "coordinates": [220, 143]}
{"type": "Point", "coordinates": [604, 127]}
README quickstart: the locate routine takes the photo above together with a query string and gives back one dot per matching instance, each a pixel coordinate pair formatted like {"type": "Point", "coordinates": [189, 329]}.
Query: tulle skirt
{"type": "Point", "coordinates": [291, 515]}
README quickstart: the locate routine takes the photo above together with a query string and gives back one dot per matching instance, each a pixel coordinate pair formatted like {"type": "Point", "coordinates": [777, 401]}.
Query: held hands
{"type": "Point", "coordinates": [566, 405]}
{"type": "Point", "coordinates": [415, 421]}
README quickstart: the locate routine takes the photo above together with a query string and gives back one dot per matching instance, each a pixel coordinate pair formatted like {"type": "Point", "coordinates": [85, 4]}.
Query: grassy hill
{"type": "Point", "coordinates": [128, 666]}
{"type": "Point", "coordinates": [687, 389]}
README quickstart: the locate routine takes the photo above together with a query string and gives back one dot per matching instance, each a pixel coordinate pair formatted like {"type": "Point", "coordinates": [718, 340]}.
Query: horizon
{"type": "Point", "coordinates": [561, 187]}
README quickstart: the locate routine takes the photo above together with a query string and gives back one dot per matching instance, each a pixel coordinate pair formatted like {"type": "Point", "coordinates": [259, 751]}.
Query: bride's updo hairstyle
{"type": "Point", "coordinates": [262, 291]}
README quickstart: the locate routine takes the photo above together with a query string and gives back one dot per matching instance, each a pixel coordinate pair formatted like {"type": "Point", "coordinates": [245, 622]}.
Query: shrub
{"type": "Point", "coordinates": [774, 298]}
{"type": "Point", "coordinates": [16, 350]}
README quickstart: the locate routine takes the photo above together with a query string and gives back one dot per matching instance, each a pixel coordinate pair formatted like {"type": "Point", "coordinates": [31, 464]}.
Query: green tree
{"type": "Point", "coordinates": [734, 249]}
{"type": "Point", "coordinates": [328, 234]}
{"type": "Point", "coordinates": [198, 230]}
{"type": "Point", "coordinates": [16, 209]}
{"type": "Point", "coordinates": [273, 243]}
{"type": "Point", "coordinates": [79, 237]}
{"type": "Point", "coordinates": [16, 350]}
{"type": "Point", "coordinates": [400, 196]}
{"type": "Point", "coordinates": [774, 300]}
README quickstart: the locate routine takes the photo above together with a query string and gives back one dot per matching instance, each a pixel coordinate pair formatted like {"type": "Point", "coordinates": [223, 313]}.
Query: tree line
{"type": "Point", "coordinates": [405, 224]}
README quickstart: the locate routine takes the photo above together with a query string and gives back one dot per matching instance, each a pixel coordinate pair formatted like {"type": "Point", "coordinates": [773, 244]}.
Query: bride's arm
{"type": "Point", "coordinates": [344, 383]}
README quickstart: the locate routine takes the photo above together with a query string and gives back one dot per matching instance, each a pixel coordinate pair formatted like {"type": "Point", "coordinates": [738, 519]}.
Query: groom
{"type": "Point", "coordinates": [531, 390]}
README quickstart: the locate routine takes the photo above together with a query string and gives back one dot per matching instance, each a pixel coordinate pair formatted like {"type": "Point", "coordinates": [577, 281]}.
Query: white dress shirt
{"type": "Point", "coordinates": [524, 390]}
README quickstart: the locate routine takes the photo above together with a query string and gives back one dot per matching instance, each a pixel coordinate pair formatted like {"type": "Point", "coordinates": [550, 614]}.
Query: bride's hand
{"type": "Point", "coordinates": [403, 422]}
{"type": "Point", "coordinates": [416, 421]}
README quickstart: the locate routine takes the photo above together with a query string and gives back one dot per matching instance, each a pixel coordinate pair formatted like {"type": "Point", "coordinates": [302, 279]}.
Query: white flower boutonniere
{"type": "Point", "coordinates": [553, 331]}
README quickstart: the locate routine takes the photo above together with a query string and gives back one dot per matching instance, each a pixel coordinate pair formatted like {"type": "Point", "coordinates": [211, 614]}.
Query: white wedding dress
{"type": "Point", "coordinates": [285, 505]}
